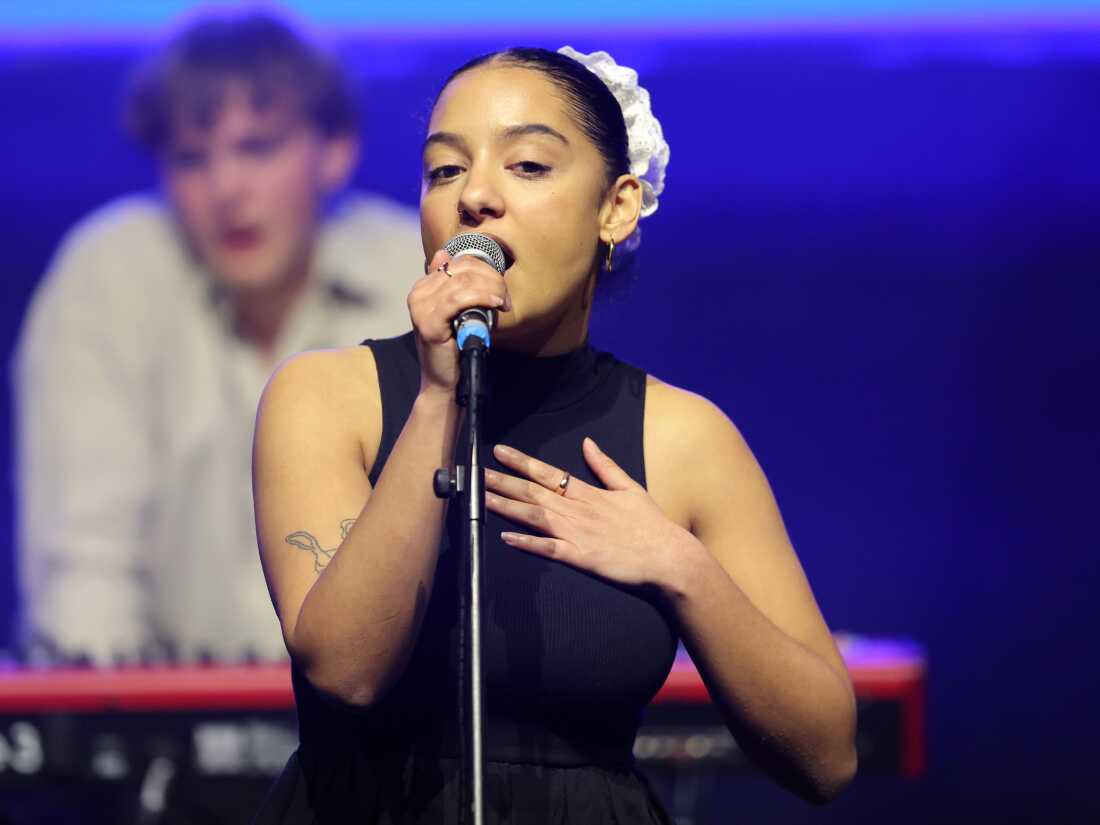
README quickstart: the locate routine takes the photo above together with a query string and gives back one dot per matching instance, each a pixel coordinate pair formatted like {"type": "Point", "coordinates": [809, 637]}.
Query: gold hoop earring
{"type": "Point", "coordinates": [610, 252]}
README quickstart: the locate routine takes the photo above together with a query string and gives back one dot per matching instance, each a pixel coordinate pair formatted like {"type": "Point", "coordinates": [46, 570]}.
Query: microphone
{"type": "Point", "coordinates": [476, 321]}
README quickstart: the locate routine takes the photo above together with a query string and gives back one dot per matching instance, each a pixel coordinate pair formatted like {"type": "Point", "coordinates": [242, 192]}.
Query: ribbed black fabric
{"type": "Point", "coordinates": [570, 660]}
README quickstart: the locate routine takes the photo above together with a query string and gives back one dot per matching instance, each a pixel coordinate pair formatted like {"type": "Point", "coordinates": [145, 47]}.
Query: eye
{"type": "Point", "coordinates": [530, 169]}
{"type": "Point", "coordinates": [259, 147]}
{"type": "Point", "coordinates": [185, 160]}
{"type": "Point", "coordinates": [441, 174]}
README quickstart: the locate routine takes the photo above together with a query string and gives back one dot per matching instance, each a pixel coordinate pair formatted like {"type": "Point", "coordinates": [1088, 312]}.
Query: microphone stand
{"type": "Point", "coordinates": [467, 483]}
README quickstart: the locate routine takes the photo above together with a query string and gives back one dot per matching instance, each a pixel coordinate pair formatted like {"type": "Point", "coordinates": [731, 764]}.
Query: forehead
{"type": "Point", "coordinates": [229, 106]}
{"type": "Point", "coordinates": [501, 95]}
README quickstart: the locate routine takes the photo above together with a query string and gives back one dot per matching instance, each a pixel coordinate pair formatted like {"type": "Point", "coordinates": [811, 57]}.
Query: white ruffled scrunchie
{"type": "Point", "coordinates": [645, 141]}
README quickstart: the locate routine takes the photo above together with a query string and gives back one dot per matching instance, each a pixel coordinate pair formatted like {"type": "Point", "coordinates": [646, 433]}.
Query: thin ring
{"type": "Point", "coordinates": [443, 268]}
{"type": "Point", "coordinates": [563, 484]}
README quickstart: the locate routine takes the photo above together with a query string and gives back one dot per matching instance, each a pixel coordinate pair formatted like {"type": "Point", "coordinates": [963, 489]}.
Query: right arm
{"type": "Point", "coordinates": [351, 615]}
{"type": "Point", "coordinates": [86, 460]}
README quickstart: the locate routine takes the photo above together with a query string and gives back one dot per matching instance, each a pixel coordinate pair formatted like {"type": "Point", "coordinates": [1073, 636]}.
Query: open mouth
{"type": "Point", "coordinates": [240, 238]}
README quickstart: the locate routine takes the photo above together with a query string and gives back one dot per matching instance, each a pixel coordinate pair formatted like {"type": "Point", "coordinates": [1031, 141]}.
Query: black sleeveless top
{"type": "Point", "coordinates": [570, 661]}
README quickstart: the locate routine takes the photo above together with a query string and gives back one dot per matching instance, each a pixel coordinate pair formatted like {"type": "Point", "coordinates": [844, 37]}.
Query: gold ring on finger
{"type": "Point", "coordinates": [563, 484]}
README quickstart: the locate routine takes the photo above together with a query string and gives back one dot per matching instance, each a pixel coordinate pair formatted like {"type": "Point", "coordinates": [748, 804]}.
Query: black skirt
{"type": "Point", "coordinates": [413, 791]}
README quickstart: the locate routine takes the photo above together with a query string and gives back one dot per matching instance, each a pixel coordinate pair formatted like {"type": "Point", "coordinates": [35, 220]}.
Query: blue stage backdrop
{"type": "Point", "coordinates": [94, 18]}
{"type": "Point", "coordinates": [878, 252]}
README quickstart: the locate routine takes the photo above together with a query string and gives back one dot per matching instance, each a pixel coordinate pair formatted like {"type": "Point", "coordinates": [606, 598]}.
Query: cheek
{"type": "Point", "coordinates": [290, 189]}
{"type": "Point", "coordinates": [437, 223]}
{"type": "Point", "coordinates": [191, 202]}
{"type": "Point", "coordinates": [566, 235]}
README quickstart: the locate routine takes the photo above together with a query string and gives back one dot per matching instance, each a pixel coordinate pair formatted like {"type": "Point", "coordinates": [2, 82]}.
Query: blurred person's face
{"type": "Point", "coordinates": [249, 189]}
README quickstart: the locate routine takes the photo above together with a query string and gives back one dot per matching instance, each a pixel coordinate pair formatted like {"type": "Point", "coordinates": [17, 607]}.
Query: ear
{"type": "Point", "coordinates": [339, 156]}
{"type": "Point", "coordinates": [621, 208]}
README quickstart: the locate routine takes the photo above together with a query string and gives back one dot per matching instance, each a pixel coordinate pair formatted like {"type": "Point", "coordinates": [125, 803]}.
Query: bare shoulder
{"type": "Point", "coordinates": [323, 379]}
{"type": "Point", "coordinates": [694, 453]}
{"type": "Point", "coordinates": [331, 392]}
{"type": "Point", "coordinates": [676, 412]}
{"type": "Point", "coordinates": [682, 424]}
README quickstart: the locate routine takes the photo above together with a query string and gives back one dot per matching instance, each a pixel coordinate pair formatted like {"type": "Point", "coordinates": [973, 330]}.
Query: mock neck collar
{"type": "Point", "coordinates": [528, 383]}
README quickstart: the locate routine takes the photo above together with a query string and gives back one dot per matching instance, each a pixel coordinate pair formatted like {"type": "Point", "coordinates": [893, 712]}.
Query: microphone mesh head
{"type": "Point", "coordinates": [474, 243]}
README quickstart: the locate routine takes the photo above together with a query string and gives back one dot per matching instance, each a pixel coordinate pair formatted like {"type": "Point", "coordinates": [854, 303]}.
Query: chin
{"type": "Point", "coordinates": [506, 324]}
{"type": "Point", "coordinates": [245, 276]}
{"type": "Point", "coordinates": [247, 281]}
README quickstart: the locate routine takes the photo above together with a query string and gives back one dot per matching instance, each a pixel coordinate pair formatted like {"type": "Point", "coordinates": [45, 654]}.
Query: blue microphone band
{"type": "Point", "coordinates": [472, 326]}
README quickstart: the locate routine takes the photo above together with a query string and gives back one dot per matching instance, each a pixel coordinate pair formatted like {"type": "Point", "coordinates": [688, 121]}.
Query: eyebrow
{"type": "Point", "coordinates": [511, 133]}
{"type": "Point", "coordinates": [448, 139]}
{"type": "Point", "coordinates": [522, 129]}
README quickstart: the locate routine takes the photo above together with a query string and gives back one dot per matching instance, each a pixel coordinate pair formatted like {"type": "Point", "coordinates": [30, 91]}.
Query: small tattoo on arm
{"type": "Point", "coordinates": [308, 542]}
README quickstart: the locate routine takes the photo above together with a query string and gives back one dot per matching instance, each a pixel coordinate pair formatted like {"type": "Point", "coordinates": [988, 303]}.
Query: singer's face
{"type": "Point", "coordinates": [248, 190]}
{"type": "Point", "coordinates": [503, 156]}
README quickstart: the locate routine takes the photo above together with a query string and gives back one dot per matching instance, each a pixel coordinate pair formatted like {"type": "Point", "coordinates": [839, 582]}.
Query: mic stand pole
{"type": "Point", "coordinates": [467, 483]}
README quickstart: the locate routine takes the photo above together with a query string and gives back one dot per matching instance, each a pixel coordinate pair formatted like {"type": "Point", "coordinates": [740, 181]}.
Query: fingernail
{"type": "Point", "coordinates": [509, 538]}
{"type": "Point", "coordinates": [498, 301]}
{"type": "Point", "coordinates": [502, 449]}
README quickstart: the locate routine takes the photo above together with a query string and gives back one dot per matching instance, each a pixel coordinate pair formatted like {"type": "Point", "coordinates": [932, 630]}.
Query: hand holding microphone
{"type": "Point", "coordinates": [457, 298]}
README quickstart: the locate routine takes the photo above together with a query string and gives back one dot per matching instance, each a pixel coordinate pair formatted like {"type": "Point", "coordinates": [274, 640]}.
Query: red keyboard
{"type": "Point", "coordinates": [227, 720]}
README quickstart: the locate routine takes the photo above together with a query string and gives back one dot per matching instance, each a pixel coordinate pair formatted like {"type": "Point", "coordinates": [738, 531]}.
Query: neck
{"type": "Point", "coordinates": [260, 315]}
{"type": "Point", "coordinates": [555, 340]}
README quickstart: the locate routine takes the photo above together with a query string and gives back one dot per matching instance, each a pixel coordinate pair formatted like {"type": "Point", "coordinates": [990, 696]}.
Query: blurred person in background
{"type": "Point", "coordinates": [148, 343]}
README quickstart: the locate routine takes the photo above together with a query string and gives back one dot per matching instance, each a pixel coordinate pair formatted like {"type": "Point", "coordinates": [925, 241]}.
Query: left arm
{"type": "Point", "coordinates": [744, 607]}
{"type": "Point", "coordinates": [708, 537]}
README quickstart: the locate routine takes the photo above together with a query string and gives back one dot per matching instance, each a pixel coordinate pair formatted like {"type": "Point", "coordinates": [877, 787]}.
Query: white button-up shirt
{"type": "Point", "coordinates": [135, 408]}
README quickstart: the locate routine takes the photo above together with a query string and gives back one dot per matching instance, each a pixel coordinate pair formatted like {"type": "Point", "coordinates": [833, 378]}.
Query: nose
{"type": "Point", "coordinates": [480, 198]}
{"type": "Point", "coordinates": [226, 177]}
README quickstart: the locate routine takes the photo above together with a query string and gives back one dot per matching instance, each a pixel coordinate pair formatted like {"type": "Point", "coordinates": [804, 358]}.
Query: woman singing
{"type": "Point", "coordinates": [624, 514]}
